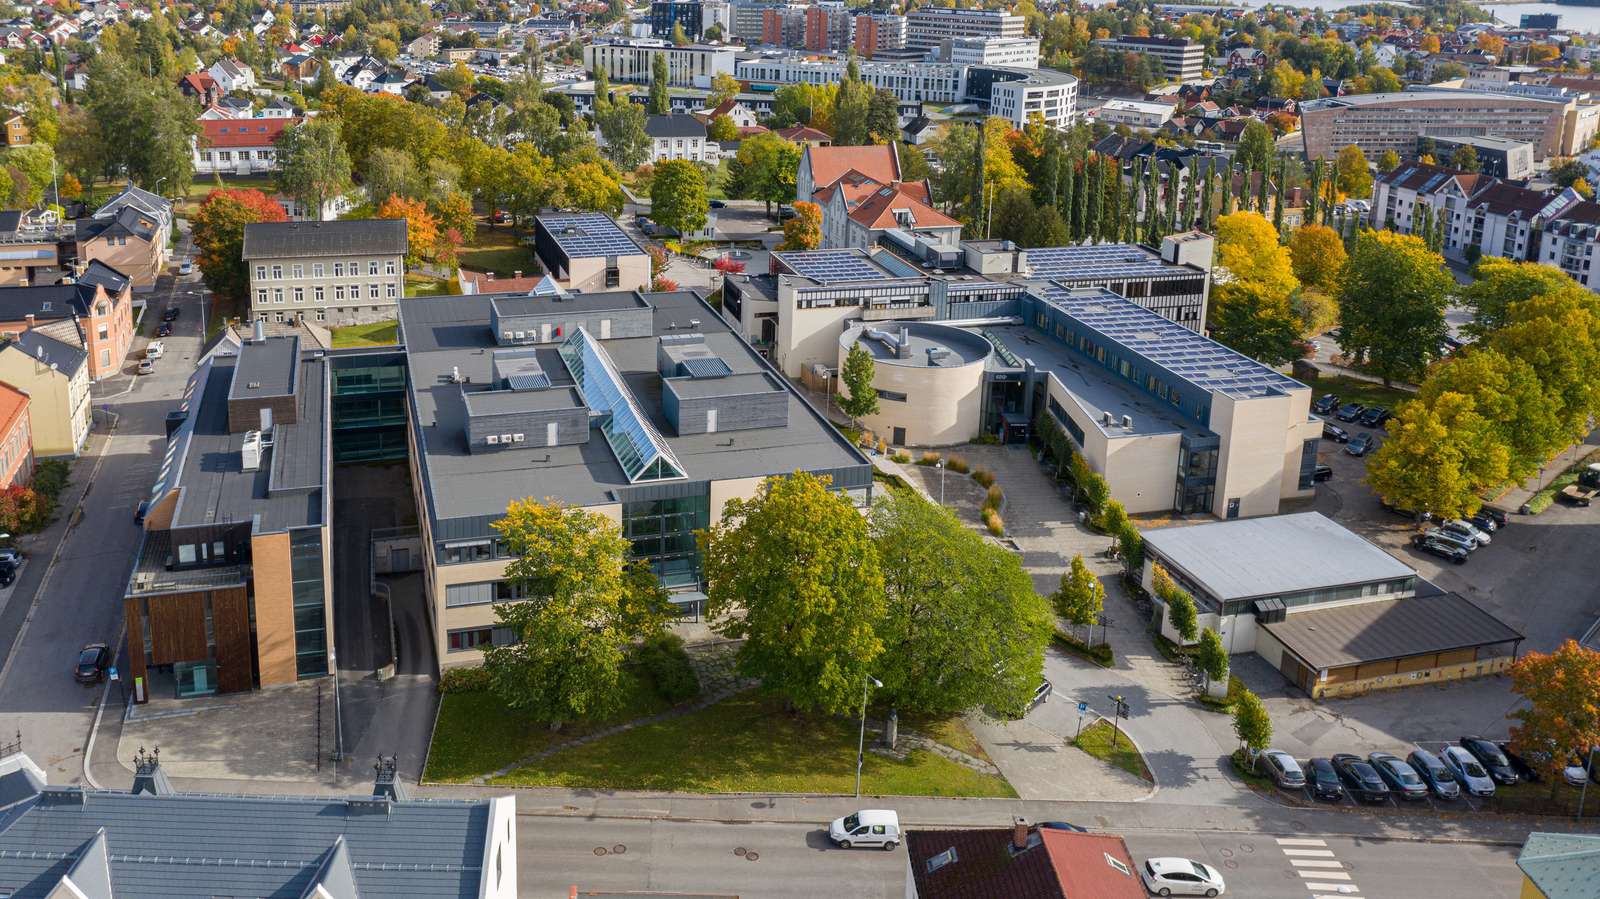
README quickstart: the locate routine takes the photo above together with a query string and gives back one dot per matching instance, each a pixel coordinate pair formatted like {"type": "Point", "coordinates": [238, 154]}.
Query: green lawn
{"type": "Point", "coordinates": [749, 744]}
{"type": "Point", "coordinates": [420, 285]}
{"type": "Point", "coordinates": [1096, 740]}
{"type": "Point", "coordinates": [1367, 393]}
{"type": "Point", "coordinates": [376, 334]}
{"type": "Point", "coordinates": [477, 734]}
{"type": "Point", "coordinates": [1544, 498]}
{"type": "Point", "coordinates": [496, 250]}
{"type": "Point", "coordinates": [205, 184]}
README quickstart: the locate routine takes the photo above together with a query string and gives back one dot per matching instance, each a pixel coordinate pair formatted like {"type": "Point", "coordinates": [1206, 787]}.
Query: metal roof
{"type": "Point", "coordinates": [357, 237]}
{"type": "Point", "coordinates": [639, 447]}
{"type": "Point", "coordinates": [829, 266]}
{"type": "Point", "coordinates": [587, 235]}
{"type": "Point", "coordinates": [1102, 261]}
{"type": "Point", "coordinates": [1273, 556]}
{"type": "Point", "coordinates": [1385, 629]}
{"type": "Point", "coordinates": [1561, 865]}
{"type": "Point", "coordinates": [1197, 359]}
{"type": "Point", "coordinates": [265, 368]}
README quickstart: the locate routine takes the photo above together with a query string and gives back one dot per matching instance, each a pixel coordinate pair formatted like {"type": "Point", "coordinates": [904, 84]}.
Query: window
{"type": "Point", "coordinates": [310, 620]}
{"type": "Point", "coordinates": [891, 396]}
{"type": "Point", "coordinates": [104, 332]}
{"type": "Point", "coordinates": [355, 268]}
{"type": "Point", "coordinates": [277, 272]}
{"type": "Point", "coordinates": [322, 315]}
{"type": "Point", "coordinates": [299, 295]}
{"type": "Point", "coordinates": [372, 266]}
{"type": "Point", "coordinates": [261, 273]}
{"type": "Point", "coordinates": [372, 291]}
{"type": "Point", "coordinates": [388, 267]}
{"type": "Point", "coordinates": [338, 291]}
{"type": "Point", "coordinates": [468, 639]}
{"type": "Point", "coordinates": [297, 271]}
{"type": "Point", "coordinates": [316, 269]}
{"type": "Point", "coordinates": [338, 269]}
{"type": "Point", "coordinates": [389, 290]}
{"type": "Point", "coordinates": [317, 293]}
{"type": "Point", "coordinates": [277, 294]}
{"type": "Point", "coordinates": [476, 551]}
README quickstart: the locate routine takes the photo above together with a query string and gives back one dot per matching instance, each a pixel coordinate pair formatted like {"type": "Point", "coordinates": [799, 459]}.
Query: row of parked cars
{"type": "Point", "coordinates": [1474, 765]}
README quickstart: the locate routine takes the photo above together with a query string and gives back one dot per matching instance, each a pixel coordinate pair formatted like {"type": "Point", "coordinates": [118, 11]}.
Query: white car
{"type": "Point", "coordinates": [1468, 771]}
{"type": "Point", "coordinates": [147, 366]}
{"type": "Point", "coordinates": [868, 827]}
{"type": "Point", "coordinates": [186, 267]}
{"type": "Point", "coordinates": [155, 350]}
{"type": "Point", "coordinates": [1181, 877]}
{"type": "Point", "coordinates": [1468, 530]}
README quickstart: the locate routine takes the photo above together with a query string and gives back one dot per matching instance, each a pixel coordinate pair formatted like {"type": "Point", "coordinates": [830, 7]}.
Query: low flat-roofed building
{"type": "Point", "coordinates": [646, 408]}
{"type": "Point", "coordinates": [1498, 156]}
{"type": "Point", "coordinates": [1135, 114]}
{"type": "Point", "coordinates": [1334, 613]}
{"type": "Point", "coordinates": [590, 252]}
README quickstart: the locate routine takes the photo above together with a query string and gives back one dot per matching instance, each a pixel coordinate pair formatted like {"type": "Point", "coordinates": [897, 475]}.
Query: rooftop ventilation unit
{"type": "Point", "coordinates": [1127, 422]}
{"type": "Point", "coordinates": [250, 452]}
{"type": "Point", "coordinates": [1106, 419]}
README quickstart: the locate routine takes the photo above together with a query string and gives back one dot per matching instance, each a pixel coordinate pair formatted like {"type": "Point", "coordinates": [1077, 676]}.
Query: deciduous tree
{"type": "Point", "coordinates": [797, 560]}
{"type": "Point", "coordinates": [1251, 723]}
{"type": "Point", "coordinates": [678, 196]}
{"type": "Point", "coordinates": [622, 127]}
{"type": "Point", "coordinates": [218, 232]}
{"type": "Point", "coordinates": [804, 230]}
{"type": "Point", "coordinates": [860, 398]}
{"type": "Point", "coordinates": [1391, 304]}
{"type": "Point", "coordinates": [1439, 455]}
{"type": "Point", "coordinates": [1351, 174]}
{"type": "Point", "coordinates": [1497, 283]}
{"type": "Point", "coordinates": [312, 164]}
{"type": "Point", "coordinates": [422, 229]}
{"type": "Point", "coordinates": [660, 102]}
{"type": "Point", "coordinates": [724, 87]}
{"type": "Point", "coordinates": [1251, 311]}
{"type": "Point", "coordinates": [764, 169]}
{"type": "Point", "coordinates": [1561, 718]}
{"type": "Point", "coordinates": [1181, 611]}
{"type": "Point", "coordinates": [1211, 657]}
{"type": "Point", "coordinates": [1080, 597]}
{"type": "Point", "coordinates": [722, 129]}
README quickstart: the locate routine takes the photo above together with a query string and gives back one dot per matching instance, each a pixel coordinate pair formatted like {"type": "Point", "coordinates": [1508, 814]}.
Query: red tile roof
{"type": "Point", "coordinates": [803, 134]}
{"type": "Point", "coordinates": [878, 210]}
{"type": "Point", "coordinates": [199, 82]}
{"type": "Point", "coordinates": [501, 281]}
{"type": "Point", "coordinates": [829, 164]}
{"type": "Point", "coordinates": [1083, 865]}
{"type": "Point", "coordinates": [225, 133]}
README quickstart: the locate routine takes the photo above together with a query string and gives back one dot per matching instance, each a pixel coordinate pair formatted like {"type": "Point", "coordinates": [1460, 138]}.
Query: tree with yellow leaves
{"type": "Point", "coordinates": [1250, 306]}
{"type": "Point", "coordinates": [1438, 457]}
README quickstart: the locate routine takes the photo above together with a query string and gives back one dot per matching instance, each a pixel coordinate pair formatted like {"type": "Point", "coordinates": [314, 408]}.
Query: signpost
{"type": "Point", "coordinates": [1121, 706]}
{"type": "Point", "coordinates": [1082, 707]}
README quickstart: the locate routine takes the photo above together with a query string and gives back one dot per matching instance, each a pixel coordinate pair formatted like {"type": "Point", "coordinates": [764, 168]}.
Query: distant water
{"type": "Point", "coordinates": [1577, 18]}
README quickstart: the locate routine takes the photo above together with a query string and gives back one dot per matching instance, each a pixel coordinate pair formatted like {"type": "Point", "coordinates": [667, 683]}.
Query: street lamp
{"type": "Point", "coordinates": [1584, 793]}
{"type": "Point", "coordinates": [861, 743]}
{"type": "Point", "coordinates": [940, 465]}
{"type": "Point", "coordinates": [157, 190]}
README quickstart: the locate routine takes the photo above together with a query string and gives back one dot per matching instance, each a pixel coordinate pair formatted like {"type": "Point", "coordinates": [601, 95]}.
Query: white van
{"type": "Point", "coordinates": [868, 827]}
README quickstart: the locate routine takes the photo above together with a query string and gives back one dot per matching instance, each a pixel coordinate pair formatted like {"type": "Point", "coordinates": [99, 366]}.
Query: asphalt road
{"type": "Point", "coordinates": [81, 598]}
{"type": "Point", "coordinates": [795, 860]}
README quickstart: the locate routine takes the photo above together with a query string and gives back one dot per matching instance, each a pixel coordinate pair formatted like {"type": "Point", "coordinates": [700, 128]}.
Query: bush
{"type": "Point", "coordinates": [901, 458]}
{"type": "Point", "coordinates": [663, 659]}
{"type": "Point", "coordinates": [929, 459]}
{"type": "Point", "coordinates": [992, 501]}
{"type": "Point", "coordinates": [957, 464]}
{"type": "Point", "coordinates": [1100, 655]}
{"type": "Point", "coordinates": [993, 521]}
{"type": "Point", "coordinates": [883, 446]}
{"type": "Point", "coordinates": [20, 509]}
{"type": "Point", "coordinates": [464, 680]}
{"type": "Point", "coordinates": [983, 476]}
{"type": "Point", "coordinates": [986, 440]}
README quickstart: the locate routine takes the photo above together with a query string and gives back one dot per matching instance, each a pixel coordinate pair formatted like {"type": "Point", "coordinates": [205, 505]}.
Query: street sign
{"type": "Point", "coordinates": [1082, 707]}
{"type": "Point", "coordinates": [112, 672]}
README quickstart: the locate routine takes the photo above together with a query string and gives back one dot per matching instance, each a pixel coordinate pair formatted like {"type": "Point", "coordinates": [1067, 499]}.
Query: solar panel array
{"type": "Point", "coordinates": [1101, 261]}
{"type": "Point", "coordinates": [589, 234]}
{"type": "Point", "coordinates": [1197, 359]}
{"type": "Point", "coordinates": [639, 448]}
{"type": "Point", "coordinates": [829, 266]}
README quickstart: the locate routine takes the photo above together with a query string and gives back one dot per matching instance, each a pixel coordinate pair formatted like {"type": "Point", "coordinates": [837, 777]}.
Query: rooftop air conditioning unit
{"type": "Point", "coordinates": [492, 439]}
{"type": "Point", "coordinates": [505, 438]}
{"type": "Point", "coordinates": [250, 451]}
{"type": "Point", "coordinates": [1105, 418]}
{"type": "Point", "coordinates": [1127, 422]}
{"type": "Point", "coordinates": [517, 438]}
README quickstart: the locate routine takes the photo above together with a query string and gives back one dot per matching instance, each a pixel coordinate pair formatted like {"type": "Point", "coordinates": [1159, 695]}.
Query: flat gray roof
{"type": "Point", "coordinates": [488, 402]}
{"type": "Point", "coordinates": [1273, 556]}
{"type": "Point", "coordinates": [265, 368]}
{"type": "Point", "coordinates": [961, 347]}
{"type": "Point", "coordinates": [732, 385]}
{"type": "Point", "coordinates": [356, 237]}
{"type": "Point", "coordinates": [442, 333]}
{"type": "Point", "coordinates": [1388, 629]}
{"type": "Point", "coordinates": [525, 304]}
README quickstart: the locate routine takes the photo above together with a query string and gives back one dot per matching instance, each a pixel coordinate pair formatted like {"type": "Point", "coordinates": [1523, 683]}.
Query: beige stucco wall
{"type": "Point", "coordinates": [59, 407]}
{"type": "Point", "coordinates": [942, 405]}
{"type": "Point", "coordinates": [349, 310]}
{"type": "Point", "coordinates": [588, 274]}
{"type": "Point", "coordinates": [736, 488]}
{"type": "Point", "coordinates": [807, 336]}
{"type": "Point", "coordinates": [1250, 462]}
{"type": "Point", "coordinates": [1141, 470]}
{"type": "Point", "coordinates": [1300, 428]}
{"type": "Point", "coordinates": [140, 260]}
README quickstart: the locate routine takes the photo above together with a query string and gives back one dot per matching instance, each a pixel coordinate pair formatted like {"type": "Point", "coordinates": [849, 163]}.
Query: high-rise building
{"type": "Point", "coordinates": [1183, 59]}
{"type": "Point", "coordinates": [1555, 126]}
{"type": "Point", "coordinates": [664, 14]}
{"type": "Point", "coordinates": [748, 17]}
{"type": "Point", "coordinates": [879, 32]}
{"type": "Point", "coordinates": [783, 26]}
{"type": "Point", "coordinates": [828, 27]}
{"type": "Point", "coordinates": [928, 28]}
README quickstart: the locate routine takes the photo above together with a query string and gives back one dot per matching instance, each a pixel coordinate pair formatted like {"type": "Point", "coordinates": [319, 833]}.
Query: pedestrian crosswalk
{"type": "Point", "coordinates": [1323, 875]}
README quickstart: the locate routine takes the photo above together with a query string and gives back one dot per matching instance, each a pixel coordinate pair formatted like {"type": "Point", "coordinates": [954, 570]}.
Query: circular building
{"type": "Point", "coordinates": [929, 380]}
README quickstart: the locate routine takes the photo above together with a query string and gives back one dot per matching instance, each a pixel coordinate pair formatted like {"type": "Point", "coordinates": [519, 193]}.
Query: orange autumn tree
{"type": "Point", "coordinates": [1561, 719]}
{"type": "Point", "coordinates": [422, 229]}
{"type": "Point", "coordinates": [804, 231]}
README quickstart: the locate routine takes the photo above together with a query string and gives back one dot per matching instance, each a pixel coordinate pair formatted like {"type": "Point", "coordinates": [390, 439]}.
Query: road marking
{"type": "Point", "coordinates": [1297, 841]}
{"type": "Point", "coordinates": [1331, 875]}
{"type": "Point", "coordinates": [1315, 863]}
{"type": "Point", "coordinates": [1344, 891]}
{"type": "Point", "coordinates": [1309, 853]}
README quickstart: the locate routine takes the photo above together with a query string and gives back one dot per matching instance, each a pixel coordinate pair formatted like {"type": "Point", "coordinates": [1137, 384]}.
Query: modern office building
{"type": "Point", "coordinates": [333, 273]}
{"type": "Point", "coordinates": [646, 408]}
{"type": "Point", "coordinates": [911, 82]}
{"type": "Point", "coordinates": [748, 17]}
{"type": "Point", "coordinates": [230, 587]}
{"type": "Point", "coordinates": [1019, 95]}
{"type": "Point", "coordinates": [929, 27]}
{"type": "Point", "coordinates": [1500, 157]}
{"type": "Point", "coordinates": [666, 14]}
{"type": "Point", "coordinates": [1379, 122]}
{"type": "Point", "coordinates": [1022, 52]}
{"type": "Point", "coordinates": [1135, 114]}
{"type": "Point", "coordinates": [630, 62]}
{"type": "Point", "coordinates": [1183, 59]}
{"type": "Point", "coordinates": [589, 252]}
{"type": "Point", "coordinates": [1335, 614]}
{"type": "Point", "coordinates": [153, 842]}
{"type": "Point", "coordinates": [878, 33]}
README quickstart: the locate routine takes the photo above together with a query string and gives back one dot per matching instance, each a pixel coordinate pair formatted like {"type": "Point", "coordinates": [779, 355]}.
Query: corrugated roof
{"type": "Point", "coordinates": [1387, 629]}
{"type": "Point", "coordinates": [222, 134]}
{"type": "Point", "coordinates": [1285, 554]}
{"type": "Point", "coordinates": [1562, 865]}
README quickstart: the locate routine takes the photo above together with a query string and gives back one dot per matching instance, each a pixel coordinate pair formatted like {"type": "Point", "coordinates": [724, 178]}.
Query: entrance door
{"type": "Point", "coordinates": [898, 437]}
{"type": "Point", "coordinates": [399, 559]}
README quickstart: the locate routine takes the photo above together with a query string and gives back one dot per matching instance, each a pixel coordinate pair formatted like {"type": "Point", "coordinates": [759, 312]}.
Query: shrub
{"type": "Point", "coordinates": [983, 476]}
{"type": "Point", "coordinates": [19, 509]}
{"type": "Point", "coordinates": [464, 680]}
{"type": "Point", "coordinates": [902, 458]}
{"type": "Point", "coordinates": [957, 464]}
{"type": "Point", "coordinates": [929, 458]}
{"type": "Point", "coordinates": [986, 440]}
{"type": "Point", "coordinates": [995, 496]}
{"type": "Point", "coordinates": [993, 521]}
{"type": "Point", "coordinates": [663, 659]}
{"type": "Point", "coordinates": [883, 445]}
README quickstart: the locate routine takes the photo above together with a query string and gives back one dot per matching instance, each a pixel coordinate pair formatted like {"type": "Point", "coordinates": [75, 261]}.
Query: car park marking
{"type": "Point", "coordinates": [1316, 863]}
{"type": "Point", "coordinates": [1298, 841]}
{"type": "Point", "coordinates": [1309, 853]}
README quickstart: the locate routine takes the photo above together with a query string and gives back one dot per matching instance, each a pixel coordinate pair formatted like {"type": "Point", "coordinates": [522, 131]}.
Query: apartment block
{"type": "Point", "coordinates": [1380, 122]}
{"type": "Point", "coordinates": [879, 32]}
{"type": "Point", "coordinates": [1183, 59]}
{"type": "Point", "coordinates": [911, 82]}
{"type": "Point", "coordinates": [55, 376]}
{"type": "Point", "coordinates": [929, 27]}
{"type": "Point", "coordinates": [830, 27]}
{"type": "Point", "coordinates": [238, 146]}
{"type": "Point", "coordinates": [630, 62]}
{"type": "Point", "coordinates": [334, 273]}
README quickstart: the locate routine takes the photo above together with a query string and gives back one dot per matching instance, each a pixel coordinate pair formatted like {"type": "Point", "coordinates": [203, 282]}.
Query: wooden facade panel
{"type": "Point", "coordinates": [178, 628]}
{"type": "Point", "coordinates": [1460, 656]}
{"type": "Point", "coordinates": [136, 669]}
{"type": "Point", "coordinates": [1419, 663]}
{"type": "Point", "coordinates": [1375, 669]}
{"type": "Point", "coordinates": [230, 623]}
{"type": "Point", "coordinates": [274, 601]}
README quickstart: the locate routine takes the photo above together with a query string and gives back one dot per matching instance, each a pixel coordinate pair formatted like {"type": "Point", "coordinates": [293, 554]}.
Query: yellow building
{"type": "Point", "coordinates": [1559, 866]}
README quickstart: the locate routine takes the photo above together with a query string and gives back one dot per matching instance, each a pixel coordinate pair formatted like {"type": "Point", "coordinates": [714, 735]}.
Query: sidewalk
{"type": "Point", "coordinates": [1514, 499]}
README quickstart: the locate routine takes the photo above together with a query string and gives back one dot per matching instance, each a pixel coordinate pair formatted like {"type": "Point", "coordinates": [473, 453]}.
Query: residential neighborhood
{"type": "Point", "coordinates": [1035, 450]}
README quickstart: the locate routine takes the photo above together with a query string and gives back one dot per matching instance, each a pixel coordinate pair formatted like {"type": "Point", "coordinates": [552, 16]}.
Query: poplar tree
{"type": "Point", "coordinates": [1064, 175]}
{"type": "Point", "coordinates": [1205, 198]}
{"type": "Point", "coordinates": [1112, 171]}
{"type": "Point", "coordinates": [1277, 206]}
{"type": "Point", "coordinates": [1080, 203]}
{"type": "Point", "coordinates": [1130, 220]}
{"type": "Point", "coordinates": [1227, 189]}
{"type": "Point", "coordinates": [1152, 219]}
{"type": "Point", "coordinates": [1091, 183]}
{"type": "Point", "coordinates": [1313, 208]}
{"type": "Point", "coordinates": [1169, 216]}
{"type": "Point", "coordinates": [1188, 201]}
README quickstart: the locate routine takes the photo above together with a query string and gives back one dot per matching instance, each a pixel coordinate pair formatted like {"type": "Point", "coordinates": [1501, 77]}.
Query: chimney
{"type": "Point", "coordinates": [517, 273]}
{"type": "Point", "coordinates": [148, 776]}
{"type": "Point", "coordinates": [488, 276]}
{"type": "Point", "coordinates": [258, 334]}
{"type": "Point", "coordinates": [386, 782]}
{"type": "Point", "coordinates": [30, 321]}
{"type": "Point", "coordinates": [1019, 833]}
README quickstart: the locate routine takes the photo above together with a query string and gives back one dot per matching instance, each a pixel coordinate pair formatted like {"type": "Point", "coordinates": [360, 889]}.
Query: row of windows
{"type": "Point", "coordinates": [298, 270]}
{"type": "Point", "coordinates": [298, 294]}
{"type": "Point", "coordinates": [227, 155]}
{"type": "Point", "coordinates": [467, 639]}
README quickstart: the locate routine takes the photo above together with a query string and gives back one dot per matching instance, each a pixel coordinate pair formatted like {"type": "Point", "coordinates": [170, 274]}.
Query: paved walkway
{"type": "Point", "coordinates": [1517, 496]}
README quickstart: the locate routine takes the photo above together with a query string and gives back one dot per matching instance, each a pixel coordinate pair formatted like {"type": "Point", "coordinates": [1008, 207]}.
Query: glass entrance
{"type": "Point", "coordinates": [195, 678]}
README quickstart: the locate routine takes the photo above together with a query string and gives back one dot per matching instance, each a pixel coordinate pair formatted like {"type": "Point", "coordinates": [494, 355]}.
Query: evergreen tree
{"type": "Point", "coordinates": [1190, 190]}
{"type": "Point", "coordinates": [1080, 203]}
{"type": "Point", "coordinates": [1091, 183]}
{"type": "Point", "coordinates": [1277, 206]}
{"type": "Point", "coordinates": [1227, 190]}
{"type": "Point", "coordinates": [1205, 198]}
{"type": "Point", "coordinates": [1313, 209]}
{"type": "Point", "coordinates": [1065, 176]}
{"type": "Point", "coordinates": [659, 103]}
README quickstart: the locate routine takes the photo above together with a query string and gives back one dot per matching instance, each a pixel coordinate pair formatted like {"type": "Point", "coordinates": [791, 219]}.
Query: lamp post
{"type": "Point", "coordinates": [1583, 794]}
{"type": "Point", "coordinates": [940, 465]}
{"type": "Point", "coordinates": [861, 743]}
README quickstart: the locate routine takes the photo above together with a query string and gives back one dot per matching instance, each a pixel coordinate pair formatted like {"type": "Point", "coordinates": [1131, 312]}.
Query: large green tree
{"type": "Point", "coordinates": [964, 627]}
{"type": "Point", "coordinates": [312, 164]}
{"type": "Point", "coordinates": [860, 398]}
{"type": "Point", "coordinates": [1255, 147]}
{"type": "Point", "coordinates": [1391, 304]}
{"type": "Point", "coordinates": [622, 127]}
{"type": "Point", "coordinates": [1558, 335]}
{"type": "Point", "coordinates": [569, 636]}
{"type": "Point", "coordinates": [143, 125]}
{"type": "Point", "coordinates": [764, 169]}
{"type": "Point", "coordinates": [1080, 597]}
{"type": "Point", "coordinates": [1350, 172]}
{"type": "Point", "coordinates": [218, 233]}
{"type": "Point", "coordinates": [1251, 310]}
{"type": "Point", "coordinates": [1438, 457]}
{"type": "Point", "coordinates": [660, 103]}
{"type": "Point", "coordinates": [1497, 283]}
{"type": "Point", "coordinates": [794, 573]}
{"type": "Point", "coordinates": [678, 196]}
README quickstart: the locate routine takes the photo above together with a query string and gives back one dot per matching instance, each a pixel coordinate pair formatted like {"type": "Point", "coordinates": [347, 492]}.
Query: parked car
{"type": "Point", "coordinates": [1532, 767]}
{"type": "Point", "coordinates": [1483, 523]}
{"type": "Point", "coordinates": [1467, 530]}
{"type": "Point", "coordinates": [171, 313]}
{"type": "Point", "coordinates": [1322, 473]}
{"type": "Point", "coordinates": [717, 204]}
{"type": "Point", "coordinates": [93, 660]}
{"type": "Point", "coordinates": [1401, 779]}
{"type": "Point", "coordinates": [155, 350]}
{"type": "Point", "coordinates": [501, 217]}
{"type": "Point", "coordinates": [1325, 404]}
{"type": "Point", "coordinates": [1451, 539]}
{"type": "Point", "coordinates": [1437, 775]}
{"type": "Point", "coordinates": [1282, 768]}
{"type": "Point", "coordinates": [1350, 411]}
{"type": "Point", "coordinates": [147, 366]}
{"type": "Point", "coordinates": [1040, 694]}
{"type": "Point", "coordinates": [1374, 417]}
{"type": "Point", "coordinates": [10, 556]}
{"type": "Point", "coordinates": [1409, 513]}
{"type": "Point", "coordinates": [1324, 780]}
{"type": "Point", "coordinates": [186, 267]}
{"type": "Point", "coordinates": [1331, 431]}
{"type": "Point", "coordinates": [1062, 825]}
{"type": "Point", "coordinates": [164, 329]}
{"type": "Point", "coordinates": [1451, 553]}
{"type": "Point", "coordinates": [8, 575]}
{"type": "Point", "coordinates": [1359, 778]}
{"type": "Point", "coordinates": [786, 213]}
{"type": "Point", "coordinates": [1361, 444]}
{"type": "Point", "coordinates": [1489, 755]}
{"type": "Point", "coordinates": [1468, 772]}
{"type": "Point", "coordinates": [1499, 517]}
{"type": "Point", "coordinates": [868, 827]}
{"type": "Point", "coordinates": [1181, 877]}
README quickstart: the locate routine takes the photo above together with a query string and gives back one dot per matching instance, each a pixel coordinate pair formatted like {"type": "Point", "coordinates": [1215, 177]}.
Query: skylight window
{"type": "Point", "coordinates": [946, 857]}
